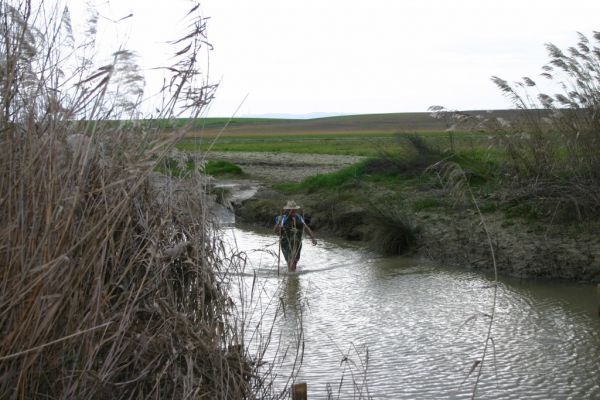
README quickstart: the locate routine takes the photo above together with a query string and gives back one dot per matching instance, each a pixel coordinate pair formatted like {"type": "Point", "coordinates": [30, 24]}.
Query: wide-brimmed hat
{"type": "Point", "coordinates": [291, 205]}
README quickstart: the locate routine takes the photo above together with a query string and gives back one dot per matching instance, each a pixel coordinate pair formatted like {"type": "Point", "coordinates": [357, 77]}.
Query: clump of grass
{"type": "Point", "coordinates": [394, 232]}
{"type": "Point", "coordinates": [221, 167]}
{"type": "Point", "coordinates": [416, 157]}
{"type": "Point", "coordinates": [330, 181]}
{"type": "Point", "coordinates": [173, 167]}
{"type": "Point", "coordinates": [414, 164]}
{"type": "Point", "coordinates": [384, 168]}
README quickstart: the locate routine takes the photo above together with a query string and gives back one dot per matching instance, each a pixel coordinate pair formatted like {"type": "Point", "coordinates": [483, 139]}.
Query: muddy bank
{"type": "Point", "coordinates": [455, 238]}
{"type": "Point", "coordinates": [520, 249]}
{"type": "Point", "coordinates": [450, 236]}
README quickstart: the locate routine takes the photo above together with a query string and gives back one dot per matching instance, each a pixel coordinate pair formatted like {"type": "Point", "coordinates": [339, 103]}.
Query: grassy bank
{"type": "Point", "coordinates": [495, 164]}
{"type": "Point", "coordinates": [527, 176]}
{"type": "Point", "coordinates": [537, 167]}
{"type": "Point", "coordinates": [418, 200]}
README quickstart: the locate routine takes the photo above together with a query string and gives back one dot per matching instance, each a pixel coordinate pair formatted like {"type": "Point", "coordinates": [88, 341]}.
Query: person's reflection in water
{"type": "Point", "coordinates": [293, 293]}
{"type": "Point", "coordinates": [292, 307]}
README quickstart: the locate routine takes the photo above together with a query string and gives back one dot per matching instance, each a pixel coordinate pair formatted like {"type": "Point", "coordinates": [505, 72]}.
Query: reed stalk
{"type": "Point", "coordinates": [113, 280]}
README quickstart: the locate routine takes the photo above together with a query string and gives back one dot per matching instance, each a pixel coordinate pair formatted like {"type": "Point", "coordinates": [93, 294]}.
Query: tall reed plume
{"type": "Point", "coordinates": [552, 145]}
{"type": "Point", "coordinates": [113, 284]}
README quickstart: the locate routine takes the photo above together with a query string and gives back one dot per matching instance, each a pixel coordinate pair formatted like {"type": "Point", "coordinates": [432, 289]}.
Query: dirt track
{"type": "Point", "coordinates": [284, 167]}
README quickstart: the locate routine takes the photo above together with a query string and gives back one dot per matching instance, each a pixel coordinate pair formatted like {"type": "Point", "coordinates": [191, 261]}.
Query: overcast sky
{"type": "Point", "coordinates": [358, 56]}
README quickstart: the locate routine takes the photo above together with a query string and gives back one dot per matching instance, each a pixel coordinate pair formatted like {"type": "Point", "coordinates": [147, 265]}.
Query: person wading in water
{"type": "Point", "coordinates": [290, 227]}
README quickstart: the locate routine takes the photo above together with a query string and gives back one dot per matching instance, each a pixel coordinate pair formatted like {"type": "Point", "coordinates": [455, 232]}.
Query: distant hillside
{"type": "Point", "coordinates": [311, 115]}
{"type": "Point", "coordinates": [366, 123]}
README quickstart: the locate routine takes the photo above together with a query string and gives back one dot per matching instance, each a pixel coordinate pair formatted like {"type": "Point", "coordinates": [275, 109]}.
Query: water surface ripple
{"type": "Point", "coordinates": [423, 326]}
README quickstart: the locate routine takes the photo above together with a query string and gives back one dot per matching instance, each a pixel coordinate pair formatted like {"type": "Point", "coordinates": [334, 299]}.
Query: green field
{"type": "Point", "coordinates": [359, 144]}
{"type": "Point", "coordinates": [363, 135]}
{"type": "Point", "coordinates": [350, 124]}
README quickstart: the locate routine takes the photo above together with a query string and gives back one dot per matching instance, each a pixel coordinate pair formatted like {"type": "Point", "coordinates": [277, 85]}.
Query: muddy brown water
{"type": "Point", "coordinates": [401, 328]}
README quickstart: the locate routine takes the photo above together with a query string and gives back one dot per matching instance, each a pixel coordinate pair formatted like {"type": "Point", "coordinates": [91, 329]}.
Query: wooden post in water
{"type": "Point", "coordinates": [299, 391]}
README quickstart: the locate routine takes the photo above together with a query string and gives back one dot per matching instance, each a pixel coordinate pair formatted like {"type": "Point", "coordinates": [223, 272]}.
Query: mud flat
{"type": "Point", "coordinates": [284, 167]}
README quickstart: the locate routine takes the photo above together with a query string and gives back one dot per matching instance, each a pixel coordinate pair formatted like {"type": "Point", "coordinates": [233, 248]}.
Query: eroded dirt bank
{"type": "Point", "coordinates": [450, 236]}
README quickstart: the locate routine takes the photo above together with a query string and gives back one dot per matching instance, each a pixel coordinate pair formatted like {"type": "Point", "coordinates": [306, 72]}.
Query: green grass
{"type": "Point", "coordinates": [342, 178]}
{"type": "Point", "coordinates": [351, 176]}
{"type": "Point", "coordinates": [427, 203]}
{"type": "Point", "coordinates": [389, 122]}
{"type": "Point", "coordinates": [370, 144]}
{"type": "Point", "coordinates": [394, 144]}
{"type": "Point", "coordinates": [401, 170]}
{"type": "Point", "coordinates": [170, 166]}
{"type": "Point", "coordinates": [338, 144]}
{"type": "Point", "coordinates": [481, 166]}
{"type": "Point", "coordinates": [356, 148]}
{"type": "Point", "coordinates": [221, 167]}
{"type": "Point", "coordinates": [530, 210]}
{"type": "Point", "coordinates": [283, 136]}
{"type": "Point", "coordinates": [396, 160]}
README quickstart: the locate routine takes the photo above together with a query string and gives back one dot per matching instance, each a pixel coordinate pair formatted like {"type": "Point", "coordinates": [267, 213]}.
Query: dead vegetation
{"type": "Point", "coordinates": [551, 157]}
{"type": "Point", "coordinates": [111, 285]}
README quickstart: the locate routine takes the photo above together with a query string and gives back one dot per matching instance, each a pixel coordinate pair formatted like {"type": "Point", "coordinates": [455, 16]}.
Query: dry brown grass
{"type": "Point", "coordinates": [107, 287]}
{"type": "Point", "coordinates": [112, 285]}
{"type": "Point", "coordinates": [550, 152]}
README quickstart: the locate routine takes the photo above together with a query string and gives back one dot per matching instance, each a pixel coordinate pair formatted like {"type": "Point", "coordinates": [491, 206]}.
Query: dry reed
{"type": "Point", "coordinates": [113, 284]}
{"type": "Point", "coordinates": [551, 149]}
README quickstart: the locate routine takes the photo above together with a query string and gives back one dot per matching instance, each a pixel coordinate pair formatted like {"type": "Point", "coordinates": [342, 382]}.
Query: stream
{"type": "Point", "coordinates": [402, 328]}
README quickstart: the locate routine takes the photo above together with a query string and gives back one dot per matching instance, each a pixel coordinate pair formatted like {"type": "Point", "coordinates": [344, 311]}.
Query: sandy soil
{"type": "Point", "coordinates": [284, 167]}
